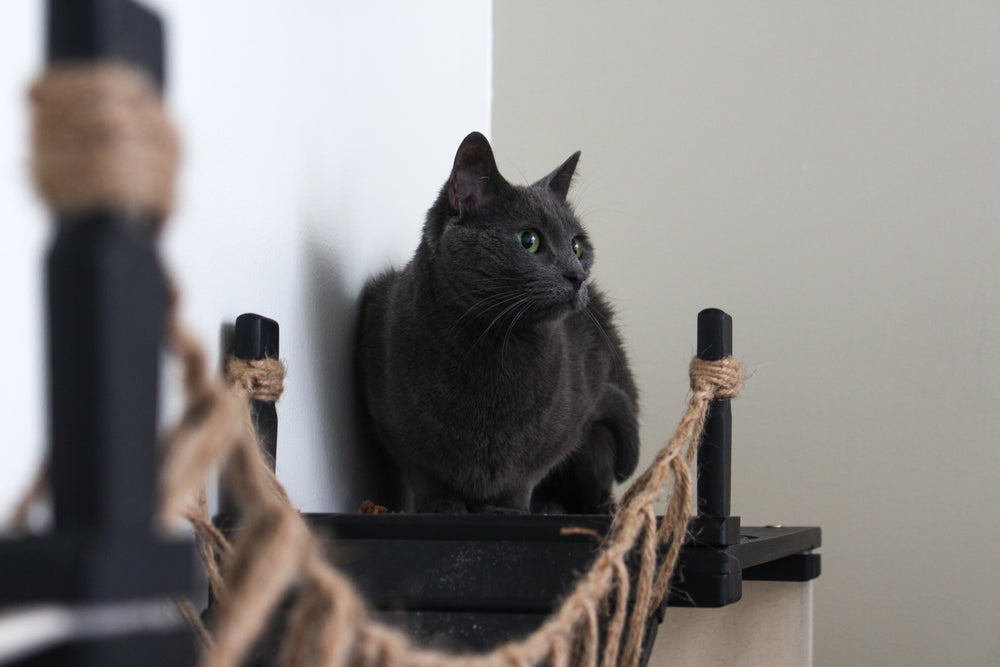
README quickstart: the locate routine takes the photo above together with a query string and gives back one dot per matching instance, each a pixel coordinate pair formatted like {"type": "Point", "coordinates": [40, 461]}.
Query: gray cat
{"type": "Point", "coordinates": [489, 367]}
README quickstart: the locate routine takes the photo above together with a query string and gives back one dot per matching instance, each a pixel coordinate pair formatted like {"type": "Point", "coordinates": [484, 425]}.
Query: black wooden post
{"type": "Point", "coordinates": [106, 308]}
{"type": "Point", "coordinates": [715, 525]}
{"type": "Point", "coordinates": [254, 337]}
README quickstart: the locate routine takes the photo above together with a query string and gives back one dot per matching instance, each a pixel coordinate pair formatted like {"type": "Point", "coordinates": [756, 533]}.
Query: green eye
{"type": "Point", "coordinates": [577, 247]}
{"type": "Point", "coordinates": [530, 240]}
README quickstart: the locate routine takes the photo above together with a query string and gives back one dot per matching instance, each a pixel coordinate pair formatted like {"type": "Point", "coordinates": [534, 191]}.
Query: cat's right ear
{"type": "Point", "coordinates": [474, 177]}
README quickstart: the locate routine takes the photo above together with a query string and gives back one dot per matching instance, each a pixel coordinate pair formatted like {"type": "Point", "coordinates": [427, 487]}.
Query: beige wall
{"type": "Point", "coordinates": [830, 175]}
{"type": "Point", "coordinates": [771, 626]}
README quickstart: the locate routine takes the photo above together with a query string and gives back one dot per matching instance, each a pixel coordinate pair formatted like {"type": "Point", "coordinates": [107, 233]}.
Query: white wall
{"type": "Point", "coordinates": [24, 230]}
{"type": "Point", "coordinates": [315, 137]}
{"type": "Point", "coordinates": [318, 135]}
{"type": "Point", "coordinates": [828, 173]}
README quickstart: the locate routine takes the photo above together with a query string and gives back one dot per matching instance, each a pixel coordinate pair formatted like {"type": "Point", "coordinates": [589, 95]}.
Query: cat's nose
{"type": "Point", "coordinates": [575, 278]}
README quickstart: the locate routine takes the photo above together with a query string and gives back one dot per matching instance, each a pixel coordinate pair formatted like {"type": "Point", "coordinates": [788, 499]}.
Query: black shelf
{"type": "Point", "coordinates": [473, 581]}
{"type": "Point", "coordinates": [524, 563]}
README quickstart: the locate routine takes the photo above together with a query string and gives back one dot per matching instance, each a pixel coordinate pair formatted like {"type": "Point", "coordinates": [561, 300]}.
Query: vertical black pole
{"type": "Point", "coordinates": [119, 30]}
{"type": "Point", "coordinates": [106, 309]}
{"type": "Point", "coordinates": [715, 342]}
{"type": "Point", "coordinates": [254, 337]}
{"type": "Point", "coordinates": [106, 306]}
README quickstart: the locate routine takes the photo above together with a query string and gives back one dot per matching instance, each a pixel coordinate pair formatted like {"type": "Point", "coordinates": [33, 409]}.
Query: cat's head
{"type": "Point", "coordinates": [508, 251]}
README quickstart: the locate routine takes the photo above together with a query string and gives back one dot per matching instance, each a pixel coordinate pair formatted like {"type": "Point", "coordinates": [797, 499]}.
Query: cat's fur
{"type": "Point", "coordinates": [491, 375]}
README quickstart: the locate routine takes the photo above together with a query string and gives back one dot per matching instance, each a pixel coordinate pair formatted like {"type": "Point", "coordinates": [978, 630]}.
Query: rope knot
{"type": "Point", "coordinates": [722, 379]}
{"type": "Point", "coordinates": [101, 139]}
{"type": "Point", "coordinates": [262, 379]}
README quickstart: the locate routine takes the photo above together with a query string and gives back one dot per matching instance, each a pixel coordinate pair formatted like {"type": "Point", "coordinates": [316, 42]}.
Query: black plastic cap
{"type": "Point", "coordinates": [255, 337]}
{"type": "Point", "coordinates": [715, 334]}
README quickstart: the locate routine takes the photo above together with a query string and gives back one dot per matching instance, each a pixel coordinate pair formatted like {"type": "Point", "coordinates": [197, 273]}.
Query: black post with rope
{"type": "Point", "coordinates": [713, 524]}
{"type": "Point", "coordinates": [102, 563]}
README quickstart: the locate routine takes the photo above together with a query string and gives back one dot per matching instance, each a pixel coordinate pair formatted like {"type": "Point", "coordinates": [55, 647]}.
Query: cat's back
{"type": "Point", "coordinates": [376, 298]}
{"type": "Point", "coordinates": [376, 307]}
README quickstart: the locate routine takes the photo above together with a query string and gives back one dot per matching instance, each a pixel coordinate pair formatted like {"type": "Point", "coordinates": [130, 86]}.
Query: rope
{"type": "Point", "coordinates": [723, 379]}
{"type": "Point", "coordinates": [102, 141]}
{"type": "Point", "coordinates": [330, 625]}
{"type": "Point", "coordinates": [261, 379]}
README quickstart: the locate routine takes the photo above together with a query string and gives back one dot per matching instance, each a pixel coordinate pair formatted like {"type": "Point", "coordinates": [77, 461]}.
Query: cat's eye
{"type": "Point", "coordinates": [530, 240]}
{"type": "Point", "coordinates": [577, 247]}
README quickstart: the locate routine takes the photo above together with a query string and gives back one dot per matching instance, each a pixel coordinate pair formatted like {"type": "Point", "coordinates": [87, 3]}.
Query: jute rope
{"type": "Point", "coordinates": [330, 623]}
{"type": "Point", "coordinates": [274, 551]}
{"type": "Point", "coordinates": [100, 139]}
{"type": "Point", "coordinates": [261, 379]}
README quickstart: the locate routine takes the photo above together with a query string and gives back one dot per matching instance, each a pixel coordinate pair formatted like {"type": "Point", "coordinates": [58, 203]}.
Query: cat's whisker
{"type": "Point", "coordinates": [457, 299]}
{"type": "Point", "coordinates": [483, 308]}
{"type": "Point", "coordinates": [510, 328]}
{"type": "Point", "coordinates": [519, 302]}
{"type": "Point", "coordinates": [616, 358]}
{"type": "Point", "coordinates": [499, 303]}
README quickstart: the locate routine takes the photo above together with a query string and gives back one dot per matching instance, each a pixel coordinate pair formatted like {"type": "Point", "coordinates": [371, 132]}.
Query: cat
{"type": "Point", "coordinates": [489, 367]}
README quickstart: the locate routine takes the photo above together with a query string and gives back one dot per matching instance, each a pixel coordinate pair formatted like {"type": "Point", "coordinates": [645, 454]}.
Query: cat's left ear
{"type": "Point", "coordinates": [475, 178]}
{"type": "Point", "coordinates": [559, 180]}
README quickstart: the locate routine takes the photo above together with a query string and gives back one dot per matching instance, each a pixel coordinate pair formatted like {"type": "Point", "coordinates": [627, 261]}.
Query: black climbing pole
{"type": "Point", "coordinates": [106, 315]}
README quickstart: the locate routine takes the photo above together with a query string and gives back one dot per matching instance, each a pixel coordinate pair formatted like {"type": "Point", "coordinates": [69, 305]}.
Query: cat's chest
{"type": "Point", "coordinates": [504, 386]}
{"type": "Point", "coordinates": [533, 401]}
{"type": "Point", "coordinates": [511, 378]}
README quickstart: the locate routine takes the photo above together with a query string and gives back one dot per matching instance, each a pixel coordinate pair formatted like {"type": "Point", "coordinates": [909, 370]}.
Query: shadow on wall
{"type": "Point", "coordinates": [360, 470]}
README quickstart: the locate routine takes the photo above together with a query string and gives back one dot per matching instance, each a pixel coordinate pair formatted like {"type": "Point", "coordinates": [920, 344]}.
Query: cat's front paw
{"type": "Point", "coordinates": [547, 505]}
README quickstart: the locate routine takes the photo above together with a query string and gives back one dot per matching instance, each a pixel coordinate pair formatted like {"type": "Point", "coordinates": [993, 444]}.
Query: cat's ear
{"type": "Point", "coordinates": [474, 177]}
{"type": "Point", "coordinates": [558, 181]}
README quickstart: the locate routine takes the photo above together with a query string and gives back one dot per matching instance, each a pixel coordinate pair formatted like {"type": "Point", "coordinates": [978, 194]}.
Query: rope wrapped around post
{"type": "Point", "coordinates": [274, 551]}
{"type": "Point", "coordinates": [261, 379]}
{"type": "Point", "coordinates": [101, 139]}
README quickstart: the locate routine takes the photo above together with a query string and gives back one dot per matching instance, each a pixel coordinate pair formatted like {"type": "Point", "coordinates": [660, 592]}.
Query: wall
{"type": "Point", "coordinates": [828, 174]}
{"type": "Point", "coordinates": [315, 136]}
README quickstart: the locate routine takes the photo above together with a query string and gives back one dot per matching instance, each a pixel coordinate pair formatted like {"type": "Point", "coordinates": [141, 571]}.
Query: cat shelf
{"type": "Point", "coordinates": [475, 581]}
{"type": "Point", "coordinates": [469, 581]}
